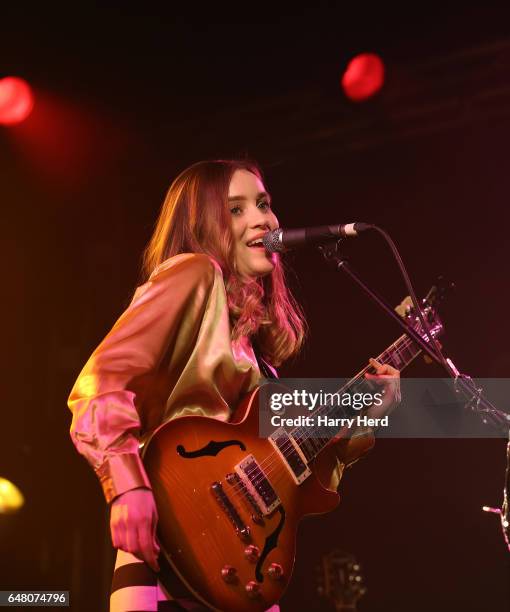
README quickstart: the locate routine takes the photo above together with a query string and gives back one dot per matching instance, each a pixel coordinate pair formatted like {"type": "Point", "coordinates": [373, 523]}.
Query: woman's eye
{"type": "Point", "coordinates": [264, 204]}
{"type": "Point", "coordinates": [235, 210]}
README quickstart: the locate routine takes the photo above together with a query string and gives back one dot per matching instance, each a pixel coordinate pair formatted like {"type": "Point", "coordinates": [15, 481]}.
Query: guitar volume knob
{"type": "Point", "coordinates": [252, 553]}
{"type": "Point", "coordinates": [252, 589]}
{"type": "Point", "coordinates": [229, 573]}
{"type": "Point", "coordinates": [275, 571]}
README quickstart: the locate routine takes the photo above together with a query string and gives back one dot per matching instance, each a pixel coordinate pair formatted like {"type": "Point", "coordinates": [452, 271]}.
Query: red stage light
{"type": "Point", "coordinates": [363, 77]}
{"type": "Point", "coordinates": [16, 100]}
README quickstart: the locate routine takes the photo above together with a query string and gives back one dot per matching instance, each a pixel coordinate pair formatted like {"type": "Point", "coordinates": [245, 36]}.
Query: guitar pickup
{"type": "Point", "coordinates": [257, 484]}
{"type": "Point", "coordinates": [291, 454]}
{"type": "Point", "coordinates": [234, 480]}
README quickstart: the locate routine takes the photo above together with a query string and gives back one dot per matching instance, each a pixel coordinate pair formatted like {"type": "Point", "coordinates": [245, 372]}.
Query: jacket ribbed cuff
{"type": "Point", "coordinates": [121, 473]}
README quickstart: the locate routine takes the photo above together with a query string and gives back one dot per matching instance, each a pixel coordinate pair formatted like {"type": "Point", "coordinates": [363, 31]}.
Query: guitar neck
{"type": "Point", "coordinates": [312, 440]}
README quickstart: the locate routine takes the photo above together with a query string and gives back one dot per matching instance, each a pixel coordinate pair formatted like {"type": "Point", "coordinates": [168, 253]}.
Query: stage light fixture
{"type": "Point", "coordinates": [11, 498]}
{"type": "Point", "coordinates": [363, 77]}
{"type": "Point", "coordinates": [16, 100]}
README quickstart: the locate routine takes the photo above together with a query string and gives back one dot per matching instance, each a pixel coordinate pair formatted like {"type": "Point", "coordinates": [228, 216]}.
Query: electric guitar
{"type": "Point", "coordinates": [229, 502]}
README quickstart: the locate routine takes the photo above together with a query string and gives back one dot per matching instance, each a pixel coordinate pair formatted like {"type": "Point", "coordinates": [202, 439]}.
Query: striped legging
{"type": "Point", "coordinates": [137, 588]}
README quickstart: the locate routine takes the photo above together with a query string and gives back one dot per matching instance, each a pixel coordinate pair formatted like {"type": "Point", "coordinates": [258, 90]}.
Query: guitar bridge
{"type": "Point", "coordinates": [242, 530]}
{"type": "Point", "coordinates": [234, 480]}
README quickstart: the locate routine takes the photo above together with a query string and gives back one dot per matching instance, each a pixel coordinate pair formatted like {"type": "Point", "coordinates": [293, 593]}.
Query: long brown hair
{"type": "Point", "coordinates": [195, 218]}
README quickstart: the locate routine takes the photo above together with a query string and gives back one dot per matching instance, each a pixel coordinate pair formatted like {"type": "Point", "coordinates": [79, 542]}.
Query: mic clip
{"type": "Point", "coordinates": [331, 251]}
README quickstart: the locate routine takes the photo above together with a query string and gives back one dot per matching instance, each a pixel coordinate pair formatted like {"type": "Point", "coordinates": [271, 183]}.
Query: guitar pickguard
{"type": "Point", "coordinates": [270, 543]}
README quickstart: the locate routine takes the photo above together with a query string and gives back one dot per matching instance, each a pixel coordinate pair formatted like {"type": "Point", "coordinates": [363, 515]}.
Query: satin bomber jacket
{"type": "Point", "coordinates": [169, 354]}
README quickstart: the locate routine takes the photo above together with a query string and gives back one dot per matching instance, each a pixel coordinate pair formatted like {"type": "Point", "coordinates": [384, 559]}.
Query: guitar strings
{"type": "Point", "coordinates": [404, 341]}
{"type": "Point", "coordinates": [268, 464]}
{"type": "Point", "coordinates": [356, 380]}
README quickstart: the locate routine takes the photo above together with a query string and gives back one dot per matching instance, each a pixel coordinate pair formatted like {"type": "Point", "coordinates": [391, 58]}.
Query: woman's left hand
{"type": "Point", "coordinates": [389, 378]}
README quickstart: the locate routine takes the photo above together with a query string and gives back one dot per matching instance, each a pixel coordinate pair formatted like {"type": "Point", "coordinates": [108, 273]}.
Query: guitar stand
{"type": "Point", "coordinates": [463, 383]}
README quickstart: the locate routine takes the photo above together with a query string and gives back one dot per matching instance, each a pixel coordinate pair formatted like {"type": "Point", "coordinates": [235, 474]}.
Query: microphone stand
{"type": "Point", "coordinates": [504, 511]}
{"type": "Point", "coordinates": [462, 382]}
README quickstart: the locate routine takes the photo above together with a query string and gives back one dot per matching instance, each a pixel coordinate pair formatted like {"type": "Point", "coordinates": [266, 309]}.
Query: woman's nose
{"type": "Point", "coordinates": [260, 219]}
{"type": "Point", "coordinates": [262, 225]}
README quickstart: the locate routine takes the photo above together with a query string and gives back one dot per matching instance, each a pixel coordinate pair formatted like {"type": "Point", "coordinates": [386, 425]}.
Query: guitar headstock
{"type": "Point", "coordinates": [430, 304]}
{"type": "Point", "coordinates": [340, 580]}
{"type": "Point", "coordinates": [439, 292]}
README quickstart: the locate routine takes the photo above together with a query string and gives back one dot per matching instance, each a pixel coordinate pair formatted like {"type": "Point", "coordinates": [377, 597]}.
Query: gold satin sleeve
{"type": "Point", "coordinates": [331, 463]}
{"type": "Point", "coordinates": [164, 313]}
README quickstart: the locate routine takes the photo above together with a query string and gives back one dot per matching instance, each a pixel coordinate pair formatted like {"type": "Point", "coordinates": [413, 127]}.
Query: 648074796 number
{"type": "Point", "coordinates": [34, 598]}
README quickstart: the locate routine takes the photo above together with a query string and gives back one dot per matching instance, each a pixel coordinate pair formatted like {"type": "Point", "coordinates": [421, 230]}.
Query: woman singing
{"type": "Point", "coordinates": [213, 315]}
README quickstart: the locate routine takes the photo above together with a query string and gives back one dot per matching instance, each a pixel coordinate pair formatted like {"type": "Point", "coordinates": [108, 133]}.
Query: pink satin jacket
{"type": "Point", "coordinates": [169, 354]}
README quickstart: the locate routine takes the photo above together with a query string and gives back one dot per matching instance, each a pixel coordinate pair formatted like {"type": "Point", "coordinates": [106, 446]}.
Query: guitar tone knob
{"type": "Point", "coordinates": [275, 571]}
{"type": "Point", "coordinates": [229, 573]}
{"type": "Point", "coordinates": [252, 589]}
{"type": "Point", "coordinates": [252, 553]}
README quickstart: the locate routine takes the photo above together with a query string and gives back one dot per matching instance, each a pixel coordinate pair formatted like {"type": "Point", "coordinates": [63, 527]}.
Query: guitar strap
{"type": "Point", "coordinates": [262, 363]}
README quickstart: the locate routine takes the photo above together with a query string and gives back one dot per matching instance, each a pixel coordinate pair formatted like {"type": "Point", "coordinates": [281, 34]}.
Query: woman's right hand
{"type": "Point", "coordinates": [133, 522]}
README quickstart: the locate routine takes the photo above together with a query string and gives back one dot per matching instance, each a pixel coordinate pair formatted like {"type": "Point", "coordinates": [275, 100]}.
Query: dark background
{"type": "Point", "coordinates": [128, 97]}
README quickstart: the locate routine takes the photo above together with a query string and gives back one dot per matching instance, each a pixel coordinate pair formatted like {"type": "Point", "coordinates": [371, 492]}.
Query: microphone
{"type": "Point", "coordinates": [279, 240]}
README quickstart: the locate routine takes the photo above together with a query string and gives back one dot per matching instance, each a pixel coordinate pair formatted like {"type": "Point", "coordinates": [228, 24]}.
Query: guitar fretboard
{"type": "Point", "coordinates": [312, 440]}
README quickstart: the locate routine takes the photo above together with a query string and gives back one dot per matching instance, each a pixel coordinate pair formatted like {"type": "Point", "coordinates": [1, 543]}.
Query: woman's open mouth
{"type": "Point", "coordinates": [256, 244]}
